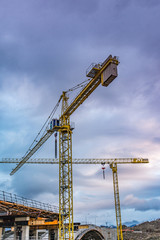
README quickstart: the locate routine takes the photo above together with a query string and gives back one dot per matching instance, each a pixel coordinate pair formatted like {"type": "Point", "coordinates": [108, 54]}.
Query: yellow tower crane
{"type": "Point", "coordinates": [113, 165]}
{"type": "Point", "coordinates": [103, 74]}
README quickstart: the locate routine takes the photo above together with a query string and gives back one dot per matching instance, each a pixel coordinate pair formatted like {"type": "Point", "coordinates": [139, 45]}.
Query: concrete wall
{"type": "Point", "coordinates": [109, 233]}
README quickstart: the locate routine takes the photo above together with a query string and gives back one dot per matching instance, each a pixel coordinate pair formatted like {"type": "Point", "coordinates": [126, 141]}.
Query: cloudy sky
{"type": "Point", "coordinates": [45, 48]}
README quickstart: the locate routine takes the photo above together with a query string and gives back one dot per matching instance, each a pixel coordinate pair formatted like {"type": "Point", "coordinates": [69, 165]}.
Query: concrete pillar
{"type": "Point", "coordinates": [51, 234]}
{"type": "Point", "coordinates": [25, 232]}
{"type": "Point", "coordinates": [1, 232]}
{"type": "Point", "coordinates": [15, 233]}
{"type": "Point", "coordinates": [56, 234]}
{"type": "Point", "coordinates": [32, 234]}
{"type": "Point", "coordinates": [109, 234]}
{"type": "Point", "coordinates": [18, 233]}
{"type": "Point", "coordinates": [36, 234]}
{"type": "Point", "coordinates": [21, 233]}
{"type": "Point", "coordinates": [40, 232]}
{"type": "Point", "coordinates": [21, 228]}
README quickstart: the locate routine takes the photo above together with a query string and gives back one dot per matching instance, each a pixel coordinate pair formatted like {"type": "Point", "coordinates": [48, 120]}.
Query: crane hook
{"type": "Point", "coordinates": [103, 169]}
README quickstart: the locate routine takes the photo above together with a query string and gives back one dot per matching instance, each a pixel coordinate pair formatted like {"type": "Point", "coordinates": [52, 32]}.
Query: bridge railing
{"type": "Point", "coordinates": [20, 238]}
{"type": "Point", "coordinates": [13, 198]}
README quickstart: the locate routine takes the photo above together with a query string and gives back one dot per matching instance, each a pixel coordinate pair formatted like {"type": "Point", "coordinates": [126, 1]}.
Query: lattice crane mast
{"type": "Point", "coordinates": [103, 74]}
{"type": "Point", "coordinates": [113, 165]}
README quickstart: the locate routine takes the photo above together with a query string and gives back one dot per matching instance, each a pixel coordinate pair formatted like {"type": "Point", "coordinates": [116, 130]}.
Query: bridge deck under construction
{"type": "Point", "coordinates": [11, 204]}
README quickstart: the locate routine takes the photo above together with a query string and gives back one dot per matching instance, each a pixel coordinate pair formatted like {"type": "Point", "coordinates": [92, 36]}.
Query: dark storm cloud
{"type": "Point", "coordinates": [151, 190]}
{"type": "Point", "coordinates": [156, 140]}
{"type": "Point", "coordinates": [4, 185]}
{"type": "Point", "coordinates": [33, 181]}
{"type": "Point", "coordinates": [141, 204]}
{"type": "Point", "coordinates": [38, 38]}
{"type": "Point", "coordinates": [137, 25]}
{"type": "Point", "coordinates": [133, 181]}
{"type": "Point", "coordinates": [45, 48]}
{"type": "Point", "coordinates": [43, 41]}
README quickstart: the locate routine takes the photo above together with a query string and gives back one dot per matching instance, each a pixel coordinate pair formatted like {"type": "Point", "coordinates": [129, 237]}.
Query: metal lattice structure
{"type": "Point", "coordinates": [78, 160]}
{"type": "Point", "coordinates": [65, 176]}
{"type": "Point", "coordinates": [103, 74]}
{"type": "Point", "coordinates": [117, 201]}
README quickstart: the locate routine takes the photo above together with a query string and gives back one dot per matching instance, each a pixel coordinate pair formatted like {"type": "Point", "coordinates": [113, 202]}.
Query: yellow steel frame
{"type": "Point", "coordinates": [89, 88]}
{"type": "Point", "coordinates": [78, 160]}
{"type": "Point", "coordinates": [65, 151]}
{"type": "Point", "coordinates": [117, 201]}
{"type": "Point", "coordinates": [65, 176]}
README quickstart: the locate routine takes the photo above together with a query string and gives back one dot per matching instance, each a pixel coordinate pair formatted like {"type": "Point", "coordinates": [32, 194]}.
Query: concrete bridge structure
{"type": "Point", "coordinates": [25, 219]}
{"type": "Point", "coordinates": [83, 232]}
{"type": "Point", "coordinates": [92, 232]}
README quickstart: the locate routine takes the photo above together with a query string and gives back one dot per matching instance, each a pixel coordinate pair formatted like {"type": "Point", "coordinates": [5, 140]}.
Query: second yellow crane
{"type": "Point", "coordinates": [113, 165]}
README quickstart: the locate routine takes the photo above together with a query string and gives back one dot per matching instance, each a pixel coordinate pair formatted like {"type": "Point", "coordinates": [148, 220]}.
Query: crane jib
{"type": "Point", "coordinates": [104, 75]}
{"type": "Point", "coordinates": [86, 91]}
{"type": "Point", "coordinates": [33, 150]}
{"type": "Point", "coordinates": [93, 161]}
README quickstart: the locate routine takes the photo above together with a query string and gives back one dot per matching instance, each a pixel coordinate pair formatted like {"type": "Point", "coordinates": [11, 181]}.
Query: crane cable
{"type": "Point", "coordinates": [82, 84]}
{"type": "Point", "coordinates": [45, 125]}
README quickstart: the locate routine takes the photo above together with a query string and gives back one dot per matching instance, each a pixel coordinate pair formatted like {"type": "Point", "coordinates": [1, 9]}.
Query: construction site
{"type": "Point", "coordinates": [26, 219]}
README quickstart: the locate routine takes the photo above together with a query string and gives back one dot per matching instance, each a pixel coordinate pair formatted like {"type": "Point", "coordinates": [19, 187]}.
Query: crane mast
{"type": "Point", "coordinates": [113, 166]}
{"type": "Point", "coordinates": [65, 175]}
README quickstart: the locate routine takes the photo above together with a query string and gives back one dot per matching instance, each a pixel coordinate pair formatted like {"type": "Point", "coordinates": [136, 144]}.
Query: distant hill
{"type": "Point", "coordinates": [131, 224]}
{"type": "Point", "coordinates": [143, 231]}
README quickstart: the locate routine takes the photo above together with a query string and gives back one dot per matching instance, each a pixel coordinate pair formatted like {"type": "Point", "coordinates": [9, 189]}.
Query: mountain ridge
{"type": "Point", "coordinates": [143, 231]}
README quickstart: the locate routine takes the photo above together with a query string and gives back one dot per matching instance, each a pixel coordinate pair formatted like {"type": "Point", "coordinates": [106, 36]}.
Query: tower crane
{"type": "Point", "coordinates": [98, 74]}
{"type": "Point", "coordinates": [113, 165]}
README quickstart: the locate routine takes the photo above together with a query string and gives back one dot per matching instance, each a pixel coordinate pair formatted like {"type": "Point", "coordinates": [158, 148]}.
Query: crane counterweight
{"type": "Point", "coordinates": [109, 74]}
